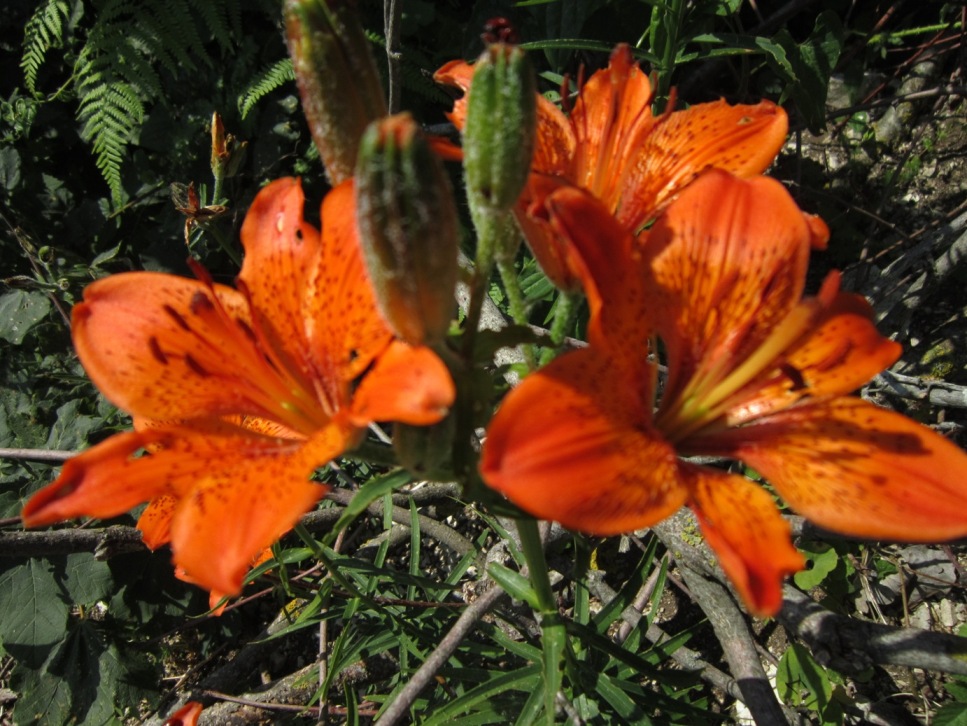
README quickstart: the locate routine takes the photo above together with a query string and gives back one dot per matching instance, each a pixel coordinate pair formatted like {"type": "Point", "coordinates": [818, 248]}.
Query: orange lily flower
{"type": "Point", "coordinates": [756, 373]}
{"type": "Point", "coordinates": [633, 161]}
{"type": "Point", "coordinates": [239, 394]}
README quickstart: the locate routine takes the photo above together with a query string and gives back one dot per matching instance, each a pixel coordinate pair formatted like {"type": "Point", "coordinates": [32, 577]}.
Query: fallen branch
{"type": "Point", "coordinates": [851, 645]}
{"type": "Point", "coordinates": [939, 393]}
{"type": "Point", "coordinates": [400, 705]}
{"type": "Point", "coordinates": [104, 542]}
{"type": "Point", "coordinates": [705, 579]}
{"type": "Point", "coordinates": [51, 455]}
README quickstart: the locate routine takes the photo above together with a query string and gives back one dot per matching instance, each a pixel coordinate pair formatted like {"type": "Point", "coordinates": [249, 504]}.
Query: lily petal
{"type": "Point", "coordinates": [345, 330]}
{"type": "Point", "coordinates": [155, 522]}
{"type": "Point", "coordinates": [239, 506]}
{"type": "Point", "coordinates": [554, 145]}
{"type": "Point", "coordinates": [855, 468]}
{"type": "Point", "coordinates": [105, 481]}
{"type": "Point", "coordinates": [166, 348]}
{"type": "Point", "coordinates": [568, 445]}
{"type": "Point", "coordinates": [408, 384]}
{"type": "Point", "coordinates": [743, 140]}
{"type": "Point", "coordinates": [841, 352]}
{"type": "Point", "coordinates": [727, 264]}
{"type": "Point", "coordinates": [602, 254]}
{"type": "Point", "coordinates": [611, 116]}
{"type": "Point", "coordinates": [742, 525]}
{"type": "Point", "coordinates": [187, 715]}
{"type": "Point", "coordinates": [281, 255]}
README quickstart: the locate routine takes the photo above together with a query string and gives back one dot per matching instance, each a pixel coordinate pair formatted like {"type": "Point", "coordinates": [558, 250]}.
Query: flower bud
{"type": "Point", "coordinates": [220, 151]}
{"type": "Point", "coordinates": [498, 140]}
{"type": "Point", "coordinates": [227, 152]}
{"type": "Point", "coordinates": [408, 229]}
{"type": "Point", "coordinates": [337, 78]}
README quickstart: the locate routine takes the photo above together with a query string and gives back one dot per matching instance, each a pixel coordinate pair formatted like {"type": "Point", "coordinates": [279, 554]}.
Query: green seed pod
{"type": "Point", "coordinates": [498, 140]}
{"type": "Point", "coordinates": [408, 228]}
{"type": "Point", "coordinates": [337, 78]}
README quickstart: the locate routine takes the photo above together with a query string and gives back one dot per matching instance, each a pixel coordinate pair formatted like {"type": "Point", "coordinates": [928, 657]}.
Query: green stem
{"type": "Point", "coordinates": [516, 304]}
{"type": "Point", "coordinates": [487, 225]}
{"type": "Point", "coordinates": [493, 228]}
{"type": "Point", "coordinates": [553, 632]}
{"type": "Point", "coordinates": [564, 311]}
{"type": "Point", "coordinates": [671, 25]}
{"type": "Point", "coordinates": [533, 551]}
{"type": "Point", "coordinates": [217, 188]}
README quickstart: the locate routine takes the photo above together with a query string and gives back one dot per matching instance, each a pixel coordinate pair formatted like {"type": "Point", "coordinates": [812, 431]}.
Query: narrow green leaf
{"type": "Point", "coordinates": [367, 494]}
{"type": "Point", "coordinates": [514, 584]}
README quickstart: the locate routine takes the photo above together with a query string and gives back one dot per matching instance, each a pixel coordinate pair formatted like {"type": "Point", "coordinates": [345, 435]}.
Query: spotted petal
{"type": "Point", "coordinates": [281, 256]}
{"type": "Point", "coordinates": [570, 445]}
{"type": "Point", "coordinates": [234, 491]}
{"type": "Point", "coordinates": [408, 384]}
{"type": "Point", "coordinates": [236, 510]}
{"type": "Point", "coordinates": [742, 139]}
{"type": "Point", "coordinates": [345, 329]}
{"type": "Point", "coordinates": [611, 117]}
{"type": "Point", "coordinates": [840, 352]}
{"type": "Point", "coordinates": [727, 265]}
{"type": "Point", "coordinates": [601, 253]}
{"type": "Point", "coordinates": [742, 525]}
{"type": "Point", "coordinates": [166, 348]}
{"type": "Point", "coordinates": [855, 468]}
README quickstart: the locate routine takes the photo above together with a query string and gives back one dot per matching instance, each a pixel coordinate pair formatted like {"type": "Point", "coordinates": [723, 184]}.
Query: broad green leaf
{"type": "Point", "coordinates": [20, 311]}
{"type": "Point", "coordinates": [78, 681]}
{"type": "Point", "coordinates": [34, 613]}
{"type": "Point", "coordinates": [9, 168]}
{"type": "Point", "coordinates": [957, 687]}
{"type": "Point", "coordinates": [812, 63]}
{"type": "Point", "coordinates": [86, 579]}
{"type": "Point", "coordinates": [951, 714]}
{"type": "Point", "coordinates": [71, 429]}
{"type": "Point", "coordinates": [801, 681]}
{"type": "Point", "coordinates": [822, 560]}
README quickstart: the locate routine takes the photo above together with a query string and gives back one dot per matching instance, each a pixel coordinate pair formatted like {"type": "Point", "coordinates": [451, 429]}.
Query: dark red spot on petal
{"type": "Point", "coordinates": [155, 348]}
{"type": "Point", "coordinates": [176, 316]}
{"type": "Point", "coordinates": [195, 366]}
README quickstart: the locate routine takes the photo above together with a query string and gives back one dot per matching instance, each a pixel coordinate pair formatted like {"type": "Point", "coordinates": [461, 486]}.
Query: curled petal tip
{"type": "Point", "coordinates": [818, 231]}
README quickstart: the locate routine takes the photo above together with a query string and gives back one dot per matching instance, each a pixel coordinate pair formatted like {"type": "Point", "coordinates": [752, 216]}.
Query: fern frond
{"type": "Point", "coordinates": [111, 113]}
{"type": "Point", "coordinates": [113, 81]}
{"type": "Point", "coordinates": [44, 30]}
{"type": "Point", "coordinates": [217, 21]}
{"type": "Point", "coordinates": [264, 83]}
